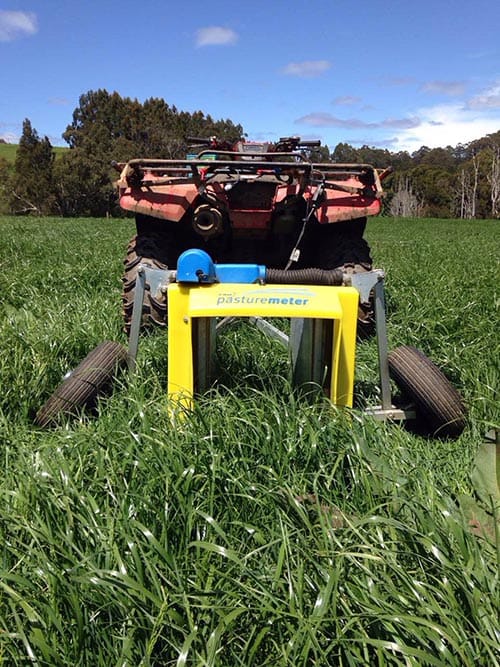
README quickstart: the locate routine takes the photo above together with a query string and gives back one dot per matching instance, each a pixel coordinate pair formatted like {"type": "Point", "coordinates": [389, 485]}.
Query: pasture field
{"type": "Point", "coordinates": [8, 151]}
{"type": "Point", "coordinates": [263, 530]}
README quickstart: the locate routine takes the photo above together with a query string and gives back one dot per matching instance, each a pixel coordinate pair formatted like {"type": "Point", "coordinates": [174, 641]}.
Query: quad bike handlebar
{"type": "Point", "coordinates": [284, 144]}
{"type": "Point", "coordinates": [203, 141]}
{"type": "Point", "coordinates": [292, 143]}
{"type": "Point", "coordinates": [212, 142]}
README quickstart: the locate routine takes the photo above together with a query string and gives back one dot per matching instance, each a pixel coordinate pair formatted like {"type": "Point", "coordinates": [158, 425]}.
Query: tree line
{"type": "Point", "coordinates": [105, 127]}
{"type": "Point", "coordinates": [461, 181]}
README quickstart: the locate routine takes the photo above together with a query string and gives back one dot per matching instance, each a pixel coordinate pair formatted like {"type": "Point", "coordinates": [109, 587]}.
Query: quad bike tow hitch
{"type": "Point", "coordinates": [203, 297]}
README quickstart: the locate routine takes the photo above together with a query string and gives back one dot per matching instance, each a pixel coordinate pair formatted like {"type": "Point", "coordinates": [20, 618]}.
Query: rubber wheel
{"type": "Point", "coordinates": [342, 246]}
{"type": "Point", "coordinates": [91, 377]}
{"type": "Point", "coordinates": [437, 401]}
{"type": "Point", "coordinates": [154, 307]}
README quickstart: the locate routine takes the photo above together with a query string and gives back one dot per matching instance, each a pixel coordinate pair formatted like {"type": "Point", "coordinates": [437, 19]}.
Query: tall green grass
{"type": "Point", "coordinates": [262, 530]}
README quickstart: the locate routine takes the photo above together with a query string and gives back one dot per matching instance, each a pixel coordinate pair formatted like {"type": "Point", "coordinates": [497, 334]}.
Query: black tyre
{"type": "Point", "coordinates": [342, 246]}
{"type": "Point", "coordinates": [91, 377]}
{"type": "Point", "coordinates": [154, 307]}
{"type": "Point", "coordinates": [437, 401]}
{"type": "Point", "coordinates": [158, 244]}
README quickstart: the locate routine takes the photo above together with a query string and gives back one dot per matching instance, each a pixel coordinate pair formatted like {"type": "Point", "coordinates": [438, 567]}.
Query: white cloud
{"type": "Point", "coordinates": [390, 143]}
{"type": "Point", "coordinates": [16, 24]}
{"type": "Point", "coordinates": [58, 101]}
{"type": "Point", "coordinates": [9, 137]}
{"type": "Point", "coordinates": [323, 119]}
{"type": "Point", "coordinates": [447, 125]}
{"type": "Point", "coordinates": [215, 36]}
{"type": "Point", "coordinates": [307, 68]}
{"type": "Point", "coordinates": [488, 99]}
{"type": "Point", "coordinates": [477, 55]}
{"type": "Point", "coordinates": [346, 100]}
{"type": "Point", "coordinates": [398, 81]}
{"type": "Point", "coordinates": [452, 88]}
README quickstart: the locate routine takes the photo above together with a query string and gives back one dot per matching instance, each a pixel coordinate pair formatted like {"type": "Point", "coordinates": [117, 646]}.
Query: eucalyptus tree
{"type": "Point", "coordinates": [31, 186]}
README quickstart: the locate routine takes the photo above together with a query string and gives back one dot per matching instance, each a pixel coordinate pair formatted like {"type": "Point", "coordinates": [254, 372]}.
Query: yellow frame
{"type": "Point", "coordinates": [187, 301]}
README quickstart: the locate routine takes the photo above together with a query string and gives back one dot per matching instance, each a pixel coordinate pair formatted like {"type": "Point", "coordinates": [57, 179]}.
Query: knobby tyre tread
{"type": "Point", "coordinates": [154, 308]}
{"type": "Point", "coordinates": [350, 254]}
{"type": "Point", "coordinates": [91, 377]}
{"type": "Point", "coordinates": [436, 399]}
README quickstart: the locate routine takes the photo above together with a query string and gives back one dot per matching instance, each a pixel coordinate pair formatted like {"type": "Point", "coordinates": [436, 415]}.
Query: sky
{"type": "Point", "coordinates": [393, 74]}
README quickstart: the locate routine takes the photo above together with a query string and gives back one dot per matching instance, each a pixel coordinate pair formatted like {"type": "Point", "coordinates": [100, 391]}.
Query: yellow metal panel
{"type": "Point", "coordinates": [344, 354]}
{"type": "Point", "coordinates": [242, 300]}
{"type": "Point", "coordinates": [180, 347]}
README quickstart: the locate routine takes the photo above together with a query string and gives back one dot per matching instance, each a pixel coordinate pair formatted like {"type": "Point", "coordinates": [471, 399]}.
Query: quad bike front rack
{"type": "Point", "coordinates": [203, 297]}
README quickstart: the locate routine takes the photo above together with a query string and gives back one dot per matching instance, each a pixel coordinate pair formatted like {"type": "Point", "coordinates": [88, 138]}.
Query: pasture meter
{"type": "Point", "coordinates": [322, 307]}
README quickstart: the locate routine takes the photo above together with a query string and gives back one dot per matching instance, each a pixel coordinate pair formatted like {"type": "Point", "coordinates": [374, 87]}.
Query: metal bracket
{"type": "Point", "coordinates": [270, 330]}
{"type": "Point", "coordinates": [394, 414]}
{"type": "Point", "coordinates": [365, 283]}
{"type": "Point", "coordinates": [382, 345]}
{"type": "Point", "coordinates": [158, 281]}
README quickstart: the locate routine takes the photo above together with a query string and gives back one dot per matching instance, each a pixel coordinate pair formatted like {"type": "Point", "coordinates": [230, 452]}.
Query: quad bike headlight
{"type": "Point", "coordinates": [207, 221]}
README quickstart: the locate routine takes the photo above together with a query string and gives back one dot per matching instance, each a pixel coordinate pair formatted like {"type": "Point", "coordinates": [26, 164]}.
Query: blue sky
{"type": "Point", "coordinates": [388, 73]}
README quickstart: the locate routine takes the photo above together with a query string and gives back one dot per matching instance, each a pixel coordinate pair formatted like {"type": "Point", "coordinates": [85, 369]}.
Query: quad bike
{"type": "Point", "coordinates": [271, 212]}
{"type": "Point", "coordinates": [248, 202]}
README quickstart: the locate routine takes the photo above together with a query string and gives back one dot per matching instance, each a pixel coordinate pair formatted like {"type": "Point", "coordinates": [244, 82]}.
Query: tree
{"type": "Point", "coordinates": [435, 186]}
{"type": "Point", "coordinates": [32, 186]}
{"type": "Point", "coordinates": [469, 180]}
{"type": "Point", "coordinates": [377, 157]}
{"type": "Point", "coordinates": [404, 202]}
{"type": "Point", "coordinates": [320, 154]}
{"type": "Point", "coordinates": [84, 184]}
{"type": "Point", "coordinates": [345, 154]}
{"type": "Point", "coordinates": [494, 181]}
{"type": "Point", "coordinates": [107, 127]}
{"type": "Point", "coordinates": [6, 170]}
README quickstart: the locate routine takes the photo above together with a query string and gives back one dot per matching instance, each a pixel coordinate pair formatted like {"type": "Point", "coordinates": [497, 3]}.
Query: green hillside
{"type": "Point", "coordinates": [8, 151]}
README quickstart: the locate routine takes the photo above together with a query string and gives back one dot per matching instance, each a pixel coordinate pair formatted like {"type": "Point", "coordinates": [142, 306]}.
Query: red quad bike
{"type": "Point", "coordinates": [269, 204]}
{"type": "Point", "coordinates": [248, 202]}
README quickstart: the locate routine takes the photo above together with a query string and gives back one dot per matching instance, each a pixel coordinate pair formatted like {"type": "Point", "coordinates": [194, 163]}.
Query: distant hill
{"type": "Point", "coordinates": [8, 151]}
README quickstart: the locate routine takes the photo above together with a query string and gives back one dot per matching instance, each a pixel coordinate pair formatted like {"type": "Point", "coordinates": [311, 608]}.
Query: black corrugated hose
{"type": "Point", "coordinates": [305, 276]}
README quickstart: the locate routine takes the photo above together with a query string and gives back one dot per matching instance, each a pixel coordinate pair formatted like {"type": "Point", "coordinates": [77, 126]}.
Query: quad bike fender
{"type": "Point", "coordinates": [337, 206]}
{"type": "Point", "coordinates": [346, 200]}
{"type": "Point", "coordinates": [167, 203]}
{"type": "Point", "coordinates": [339, 209]}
